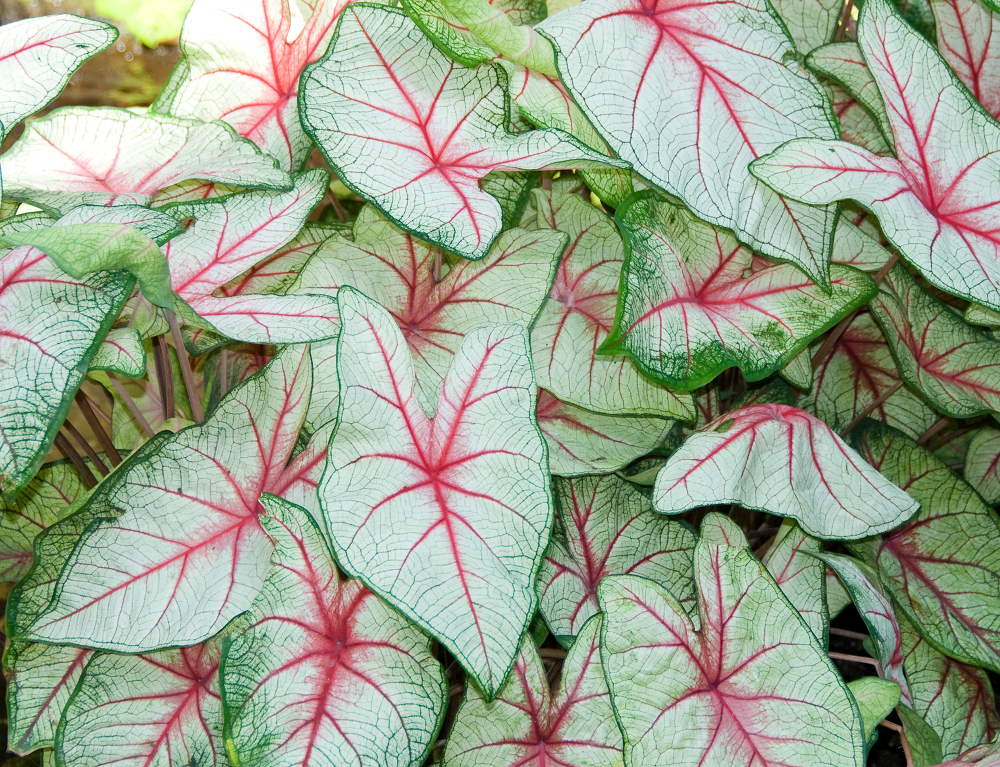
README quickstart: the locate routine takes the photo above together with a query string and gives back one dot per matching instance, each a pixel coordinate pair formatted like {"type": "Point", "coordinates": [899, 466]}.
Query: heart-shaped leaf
{"type": "Point", "coordinates": [446, 519]}
{"type": "Point", "coordinates": [162, 708]}
{"type": "Point", "coordinates": [691, 93]}
{"type": "Point", "coordinates": [436, 305]}
{"type": "Point", "coordinates": [942, 568]}
{"type": "Point", "coordinates": [583, 442]}
{"type": "Point", "coordinates": [529, 726]}
{"type": "Point", "coordinates": [937, 203]}
{"type": "Point", "coordinates": [249, 76]}
{"type": "Point", "coordinates": [580, 312]}
{"type": "Point", "coordinates": [321, 670]}
{"type": "Point", "coordinates": [800, 576]}
{"type": "Point", "coordinates": [186, 508]}
{"type": "Point", "coordinates": [413, 132]}
{"type": "Point", "coordinates": [968, 36]}
{"type": "Point", "coordinates": [955, 366]}
{"type": "Point", "coordinates": [752, 686]}
{"type": "Point", "coordinates": [121, 352]}
{"type": "Point", "coordinates": [58, 164]}
{"type": "Point", "coordinates": [956, 699]}
{"type": "Point", "coordinates": [605, 526]}
{"type": "Point", "coordinates": [982, 464]}
{"type": "Point", "coordinates": [686, 310]}
{"type": "Point", "coordinates": [781, 460]}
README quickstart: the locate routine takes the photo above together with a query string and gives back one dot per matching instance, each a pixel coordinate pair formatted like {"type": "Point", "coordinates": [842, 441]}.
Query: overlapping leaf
{"type": "Point", "coordinates": [413, 132]}
{"type": "Point", "coordinates": [982, 464]}
{"type": "Point", "coordinates": [185, 507]}
{"type": "Point", "coordinates": [529, 726]}
{"type": "Point", "coordinates": [690, 94]}
{"type": "Point", "coordinates": [121, 352]}
{"type": "Point", "coordinates": [580, 312]}
{"type": "Point", "coordinates": [810, 24]}
{"type": "Point", "coordinates": [785, 461]}
{"type": "Point", "coordinates": [163, 708]}
{"type": "Point", "coordinates": [436, 305]}
{"type": "Point", "coordinates": [876, 698]}
{"type": "Point", "coordinates": [686, 310]}
{"type": "Point", "coordinates": [752, 686]}
{"type": "Point", "coordinates": [605, 526]}
{"type": "Point", "coordinates": [937, 202]}
{"type": "Point", "coordinates": [968, 36]}
{"type": "Point", "coordinates": [844, 63]}
{"type": "Point", "coordinates": [942, 568]}
{"type": "Point", "coordinates": [446, 519]}
{"type": "Point", "coordinates": [800, 576]}
{"type": "Point", "coordinates": [321, 671]}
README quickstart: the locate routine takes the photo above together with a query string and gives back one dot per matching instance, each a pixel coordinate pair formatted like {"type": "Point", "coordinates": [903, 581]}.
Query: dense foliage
{"type": "Point", "coordinates": [493, 384]}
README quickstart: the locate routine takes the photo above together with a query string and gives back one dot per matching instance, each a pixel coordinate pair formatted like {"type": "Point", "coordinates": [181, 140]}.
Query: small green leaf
{"type": "Point", "coordinates": [121, 352]}
{"type": "Point", "coordinates": [876, 698]}
{"type": "Point", "coordinates": [925, 744]}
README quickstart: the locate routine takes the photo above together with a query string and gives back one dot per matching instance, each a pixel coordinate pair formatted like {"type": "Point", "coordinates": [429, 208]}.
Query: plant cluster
{"type": "Point", "coordinates": [502, 385]}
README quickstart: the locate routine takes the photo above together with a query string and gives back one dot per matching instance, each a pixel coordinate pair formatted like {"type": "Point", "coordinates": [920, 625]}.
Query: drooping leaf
{"type": "Point", "coordinates": [446, 519]}
{"type": "Point", "coordinates": [163, 708]}
{"type": "Point", "coordinates": [605, 526]}
{"type": "Point", "coordinates": [321, 671]}
{"type": "Point", "coordinates": [249, 75]}
{"type": "Point", "coordinates": [857, 372]}
{"type": "Point", "coordinates": [686, 310]}
{"type": "Point", "coordinates": [384, 99]}
{"type": "Point", "coordinates": [968, 36]}
{"type": "Point", "coordinates": [529, 726]}
{"type": "Point", "coordinates": [956, 699]}
{"type": "Point", "coordinates": [691, 93]}
{"type": "Point", "coordinates": [121, 352]}
{"type": "Point", "coordinates": [937, 202]}
{"type": "Point", "coordinates": [876, 698]}
{"type": "Point", "coordinates": [800, 576]}
{"type": "Point", "coordinates": [955, 366]}
{"type": "Point", "coordinates": [186, 509]}
{"type": "Point", "coordinates": [436, 311]}
{"type": "Point", "coordinates": [583, 442]}
{"type": "Point", "coordinates": [58, 164]}
{"type": "Point", "coordinates": [752, 686]}
{"type": "Point", "coordinates": [924, 742]}
{"type": "Point", "coordinates": [579, 313]}
{"type": "Point", "coordinates": [982, 464]}
{"type": "Point", "coordinates": [942, 568]}
{"type": "Point", "coordinates": [782, 460]}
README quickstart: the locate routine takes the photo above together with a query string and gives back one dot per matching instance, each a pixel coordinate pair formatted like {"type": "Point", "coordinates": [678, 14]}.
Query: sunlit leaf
{"type": "Point", "coordinates": [529, 726]}
{"type": "Point", "coordinates": [446, 519]}
{"type": "Point", "coordinates": [687, 311]}
{"type": "Point", "coordinates": [321, 671]}
{"type": "Point", "coordinates": [942, 568]}
{"type": "Point", "coordinates": [121, 352]}
{"type": "Point", "coordinates": [413, 132]}
{"type": "Point", "coordinates": [937, 202]}
{"type": "Point", "coordinates": [102, 156]}
{"type": "Point", "coordinates": [691, 93]}
{"type": "Point", "coordinates": [185, 508]}
{"type": "Point", "coordinates": [968, 36]}
{"type": "Point", "coordinates": [800, 576]}
{"type": "Point", "coordinates": [982, 464]}
{"type": "Point", "coordinates": [752, 686]}
{"type": "Point", "coordinates": [784, 461]}
{"type": "Point", "coordinates": [163, 709]}
{"type": "Point", "coordinates": [605, 526]}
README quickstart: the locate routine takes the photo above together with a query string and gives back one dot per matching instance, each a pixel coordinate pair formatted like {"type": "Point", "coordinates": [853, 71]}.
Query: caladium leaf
{"type": "Point", "coordinates": [877, 613]}
{"type": "Point", "coordinates": [982, 464]}
{"type": "Point", "coordinates": [686, 312]}
{"type": "Point", "coordinates": [956, 699]}
{"type": "Point", "coordinates": [121, 352]}
{"type": "Point", "coordinates": [249, 77]}
{"type": "Point", "coordinates": [605, 526]}
{"type": "Point", "coordinates": [727, 67]}
{"type": "Point", "coordinates": [941, 568]}
{"type": "Point", "coordinates": [367, 104]}
{"type": "Point", "coordinates": [446, 519]}
{"type": "Point", "coordinates": [967, 36]}
{"type": "Point", "coordinates": [800, 576]}
{"type": "Point", "coordinates": [856, 123]}
{"type": "Point", "coordinates": [436, 309]}
{"type": "Point", "coordinates": [186, 509]}
{"type": "Point", "coordinates": [784, 461]}
{"type": "Point", "coordinates": [955, 366]}
{"type": "Point", "coordinates": [936, 203]}
{"type": "Point", "coordinates": [810, 24]}
{"type": "Point", "coordinates": [580, 312]}
{"type": "Point", "coordinates": [321, 671]}
{"type": "Point", "coordinates": [924, 742]}
{"type": "Point", "coordinates": [730, 692]}
{"type": "Point", "coordinates": [37, 58]}
{"type": "Point", "coordinates": [844, 63]}
{"type": "Point", "coordinates": [527, 725]}
{"type": "Point", "coordinates": [162, 708]}
{"type": "Point", "coordinates": [859, 371]}
{"type": "Point", "coordinates": [57, 164]}
{"type": "Point", "coordinates": [584, 442]}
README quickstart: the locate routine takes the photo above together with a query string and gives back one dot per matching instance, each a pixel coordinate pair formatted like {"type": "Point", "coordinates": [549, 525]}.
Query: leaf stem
{"type": "Point", "coordinates": [164, 376]}
{"type": "Point", "coordinates": [436, 270]}
{"type": "Point", "coordinates": [553, 653]}
{"type": "Point", "coordinates": [91, 453]}
{"type": "Point", "coordinates": [132, 407]}
{"type": "Point", "coordinates": [547, 180]}
{"type": "Point", "coordinates": [854, 658]}
{"type": "Point", "coordinates": [938, 425]}
{"type": "Point", "coordinates": [89, 480]}
{"type": "Point", "coordinates": [186, 372]}
{"type": "Point", "coordinates": [844, 21]}
{"type": "Point", "coordinates": [338, 208]}
{"type": "Point", "coordinates": [114, 457]}
{"type": "Point", "coordinates": [224, 373]}
{"type": "Point", "coordinates": [848, 634]}
{"type": "Point", "coordinates": [871, 408]}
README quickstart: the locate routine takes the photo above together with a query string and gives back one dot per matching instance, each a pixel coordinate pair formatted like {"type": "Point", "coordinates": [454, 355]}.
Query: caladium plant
{"type": "Point", "coordinates": [496, 382]}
